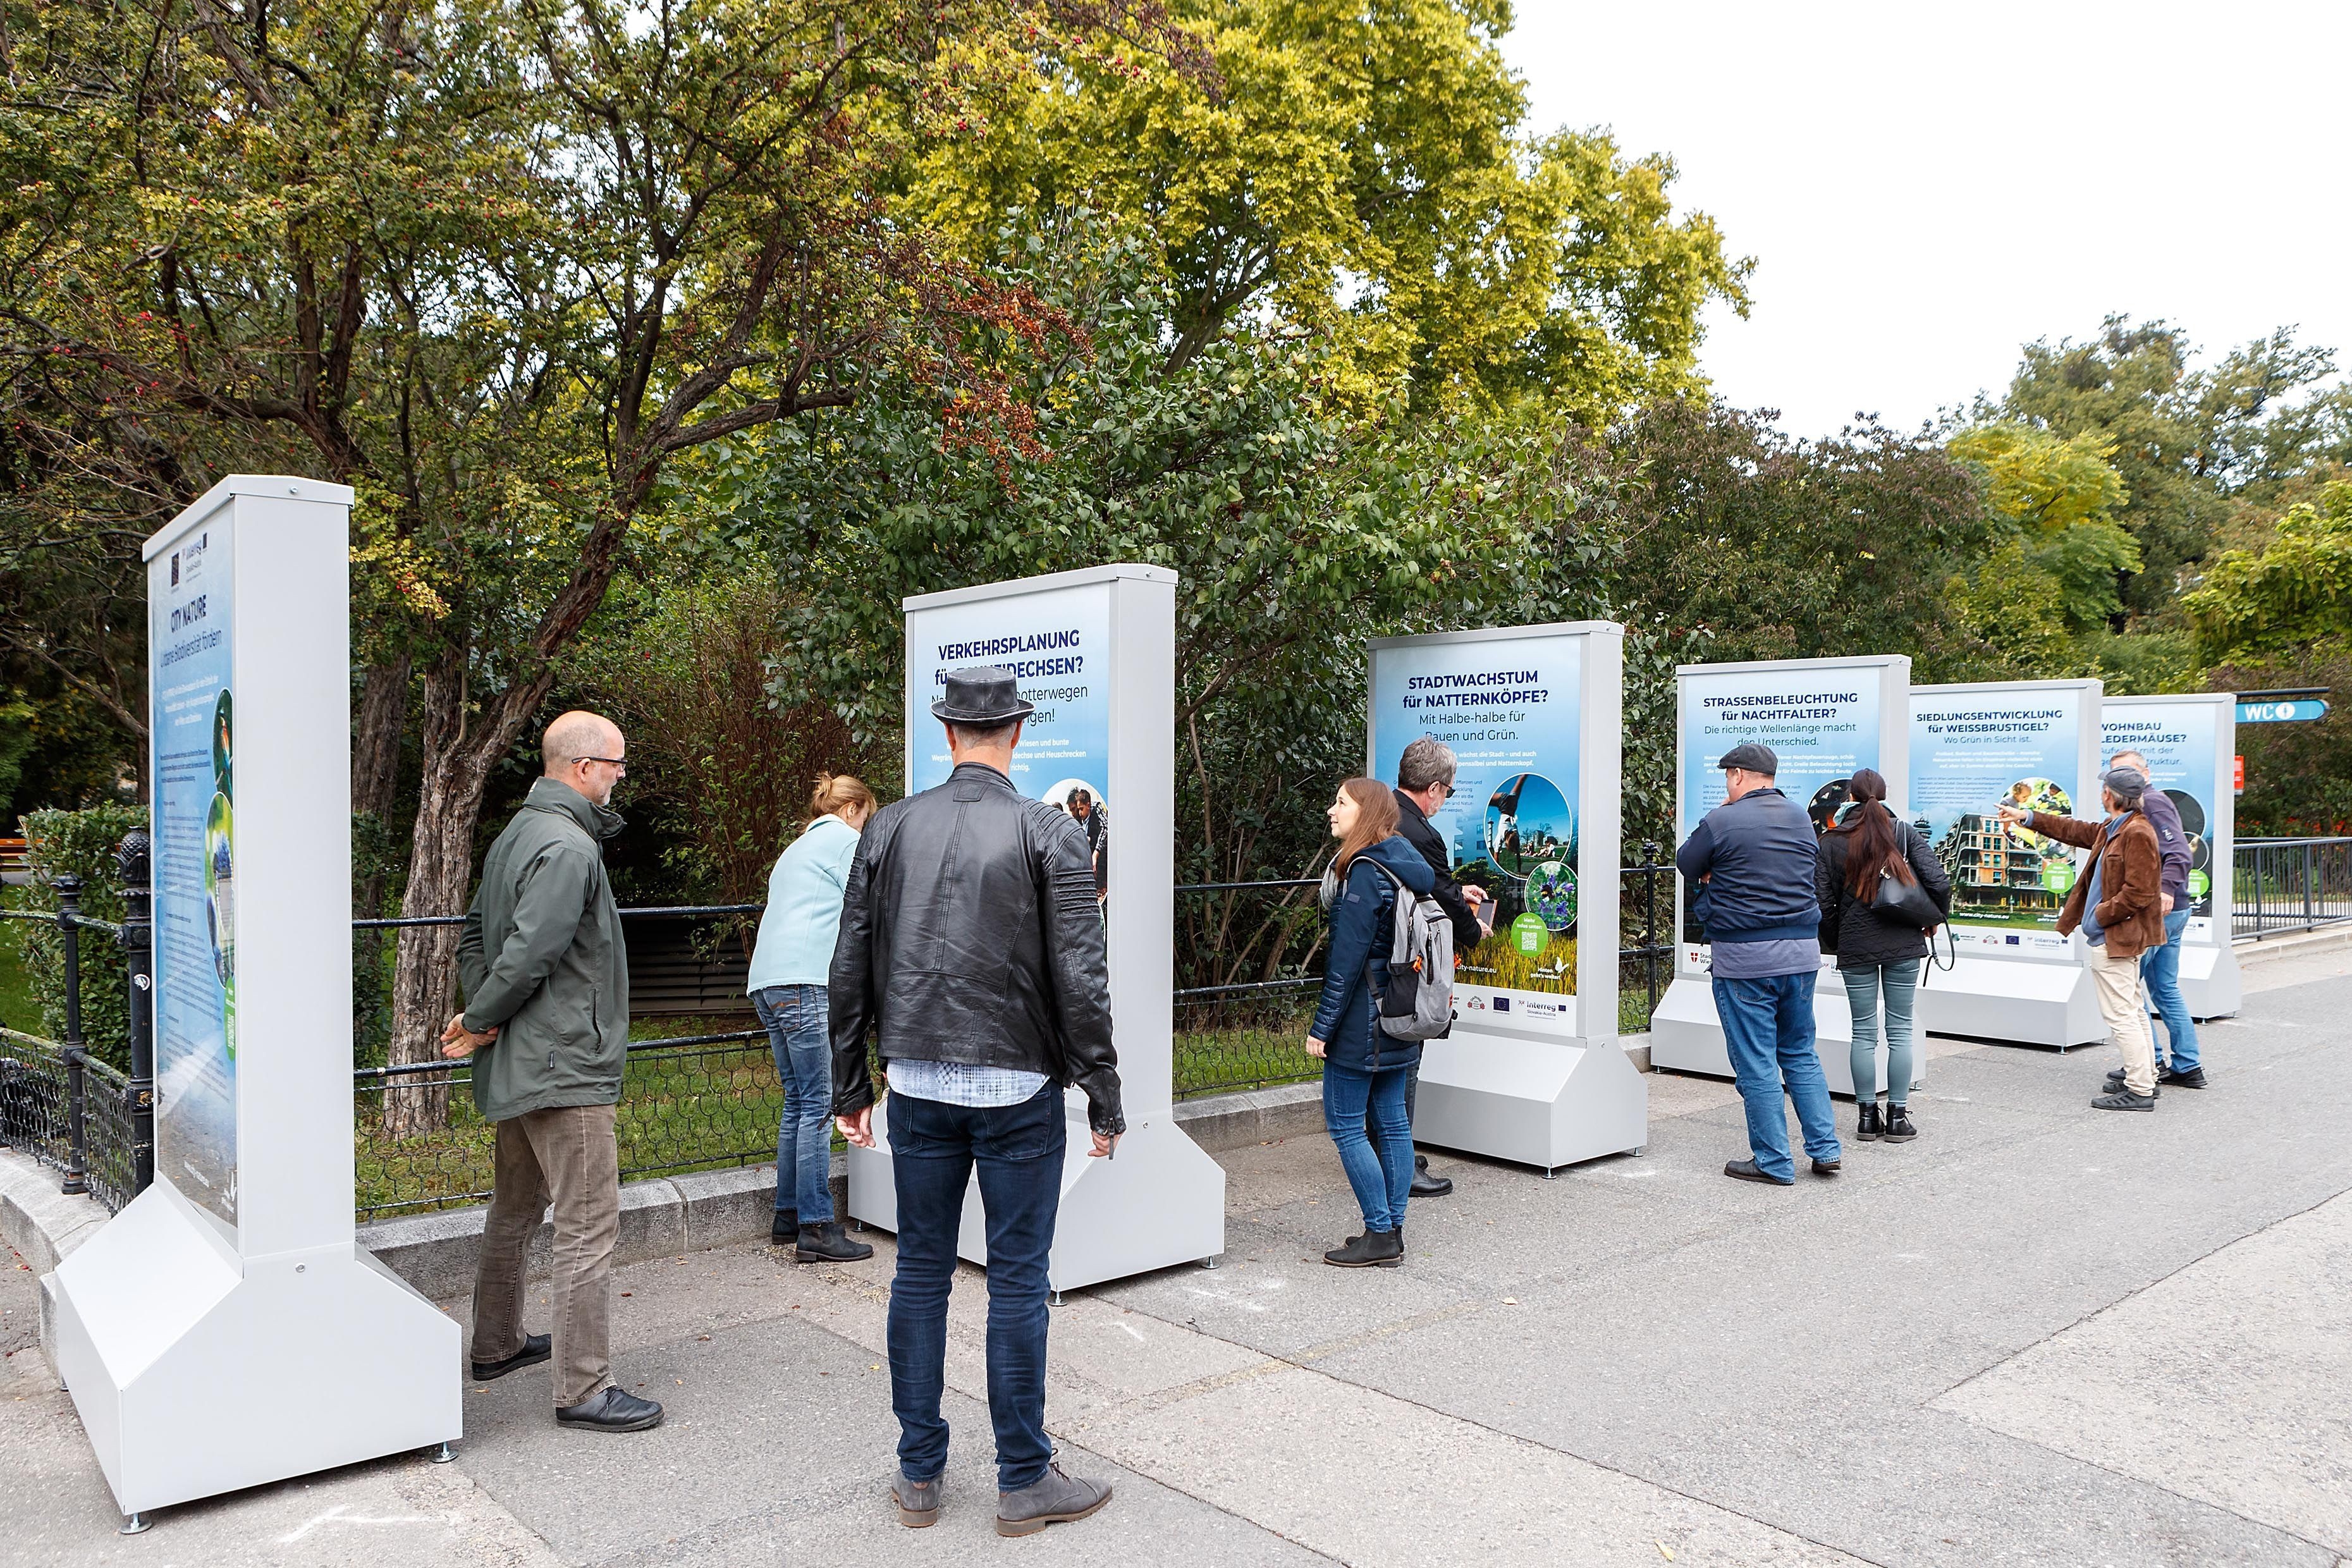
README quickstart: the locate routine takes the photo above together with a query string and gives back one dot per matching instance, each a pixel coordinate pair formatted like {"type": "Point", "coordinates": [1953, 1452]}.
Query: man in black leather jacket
{"type": "Point", "coordinates": [1424, 781]}
{"type": "Point", "coordinates": [972, 947]}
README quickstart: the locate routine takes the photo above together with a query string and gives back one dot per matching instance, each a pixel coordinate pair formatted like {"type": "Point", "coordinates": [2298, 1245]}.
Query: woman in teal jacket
{"type": "Point", "coordinates": [789, 966]}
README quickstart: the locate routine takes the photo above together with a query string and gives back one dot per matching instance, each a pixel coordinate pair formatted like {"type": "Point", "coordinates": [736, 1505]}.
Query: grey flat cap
{"type": "Point", "coordinates": [1753, 756]}
{"type": "Point", "coordinates": [2127, 784]}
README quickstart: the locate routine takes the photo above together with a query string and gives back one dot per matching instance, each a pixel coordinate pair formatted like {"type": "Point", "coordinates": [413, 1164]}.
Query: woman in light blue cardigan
{"type": "Point", "coordinates": [789, 966]}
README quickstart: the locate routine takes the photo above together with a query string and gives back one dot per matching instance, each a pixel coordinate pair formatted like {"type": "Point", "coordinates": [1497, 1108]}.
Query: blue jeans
{"type": "Point", "coordinates": [1901, 982]}
{"type": "Point", "coordinates": [933, 1148]}
{"type": "Point", "coordinates": [1383, 1177]}
{"type": "Point", "coordinates": [794, 1016]}
{"type": "Point", "coordinates": [2159, 968]}
{"type": "Point", "coordinates": [1768, 1026]}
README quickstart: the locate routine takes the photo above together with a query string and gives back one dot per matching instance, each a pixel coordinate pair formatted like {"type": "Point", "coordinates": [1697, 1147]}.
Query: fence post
{"type": "Point", "coordinates": [68, 887]}
{"type": "Point", "coordinates": [1650, 923]}
{"type": "Point", "coordinates": [138, 942]}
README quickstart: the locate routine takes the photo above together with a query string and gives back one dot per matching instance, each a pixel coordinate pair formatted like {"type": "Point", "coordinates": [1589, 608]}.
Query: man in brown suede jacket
{"type": "Point", "coordinates": [2118, 905]}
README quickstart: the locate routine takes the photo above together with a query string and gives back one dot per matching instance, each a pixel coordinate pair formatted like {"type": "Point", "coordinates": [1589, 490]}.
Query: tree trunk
{"type": "Point", "coordinates": [375, 746]}
{"type": "Point", "coordinates": [457, 763]}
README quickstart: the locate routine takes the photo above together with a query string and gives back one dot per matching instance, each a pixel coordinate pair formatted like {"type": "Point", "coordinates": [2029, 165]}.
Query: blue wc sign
{"type": "Point", "coordinates": [2282, 712]}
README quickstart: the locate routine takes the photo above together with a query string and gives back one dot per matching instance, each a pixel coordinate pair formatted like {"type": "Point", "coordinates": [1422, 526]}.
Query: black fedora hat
{"type": "Point", "coordinates": [981, 695]}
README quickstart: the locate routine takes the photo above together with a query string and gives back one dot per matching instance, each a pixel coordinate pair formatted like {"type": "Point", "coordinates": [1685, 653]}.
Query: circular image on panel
{"type": "Point", "coordinates": [2192, 824]}
{"type": "Point", "coordinates": [1551, 895]}
{"type": "Point", "coordinates": [2039, 795]}
{"type": "Point", "coordinates": [1827, 802]}
{"type": "Point", "coordinates": [1529, 822]}
{"type": "Point", "coordinates": [1074, 798]}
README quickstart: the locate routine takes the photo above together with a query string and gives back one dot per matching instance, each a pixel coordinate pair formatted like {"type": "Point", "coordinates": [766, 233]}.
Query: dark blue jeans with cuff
{"type": "Point", "coordinates": [794, 1017]}
{"type": "Point", "coordinates": [934, 1149]}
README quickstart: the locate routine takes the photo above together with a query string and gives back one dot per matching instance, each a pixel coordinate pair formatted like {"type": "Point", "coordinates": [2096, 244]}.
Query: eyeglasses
{"type": "Point", "coordinates": [619, 762]}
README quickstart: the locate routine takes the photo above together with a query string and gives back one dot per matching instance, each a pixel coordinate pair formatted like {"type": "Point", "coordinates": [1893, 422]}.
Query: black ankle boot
{"type": "Point", "coordinates": [1899, 1126]}
{"type": "Point", "coordinates": [1373, 1249]}
{"type": "Point", "coordinates": [784, 1228]}
{"type": "Point", "coordinates": [827, 1244]}
{"type": "Point", "coordinates": [1866, 1128]}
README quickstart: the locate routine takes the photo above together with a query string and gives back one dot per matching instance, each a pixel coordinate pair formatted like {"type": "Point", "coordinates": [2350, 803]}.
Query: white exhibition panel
{"type": "Point", "coordinates": [1096, 651]}
{"type": "Point", "coordinates": [1825, 718]}
{"type": "Point", "coordinates": [224, 1329]}
{"type": "Point", "coordinates": [1973, 746]}
{"type": "Point", "coordinates": [1532, 1071]}
{"type": "Point", "coordinates": [2190, 741]}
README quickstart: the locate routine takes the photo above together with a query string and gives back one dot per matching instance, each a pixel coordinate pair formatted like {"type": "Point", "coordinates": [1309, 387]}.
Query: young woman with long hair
{"type": "Point", "coordinates": [1876, 957]}
{"type": "Point", "coordinates": [790, 964]}
{"type": "Point", "coordinates": [1364, 1069]}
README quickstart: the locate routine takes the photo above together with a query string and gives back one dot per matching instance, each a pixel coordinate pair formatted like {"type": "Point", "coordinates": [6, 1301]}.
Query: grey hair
{"type": "Point", "coordinates": [1428, 760]}
{"type": "Point", "coordinates": [983, 734]}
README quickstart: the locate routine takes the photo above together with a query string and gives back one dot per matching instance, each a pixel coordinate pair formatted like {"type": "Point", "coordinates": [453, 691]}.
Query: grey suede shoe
{"type": "Point", "coordinates": [2123, 1099]}
{"type": "Point", "coordinates": [919, 1501]}
{"type": "Point", "coordinates": [1052, 1498]}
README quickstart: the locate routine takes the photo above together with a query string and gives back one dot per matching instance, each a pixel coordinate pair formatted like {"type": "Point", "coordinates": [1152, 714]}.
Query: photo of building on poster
{"type": "Point", "coordinates": [1970, 754]}
{"type": "Point", "coordinates": [1508, 707]}
{"type": "Point", "coordinates": [1821, 723]}
{"type": "Point", "coordinates": [2179, 743]}
{"type": "Point", "coordinates": [194, 827]}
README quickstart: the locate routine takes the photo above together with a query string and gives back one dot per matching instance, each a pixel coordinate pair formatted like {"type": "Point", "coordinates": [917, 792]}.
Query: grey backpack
{"type": "Point", "coordinates": [1420, 1001]}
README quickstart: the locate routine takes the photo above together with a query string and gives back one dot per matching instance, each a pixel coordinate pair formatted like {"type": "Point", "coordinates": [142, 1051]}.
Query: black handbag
{"type": "Point", "coordinates": [1902, 903]}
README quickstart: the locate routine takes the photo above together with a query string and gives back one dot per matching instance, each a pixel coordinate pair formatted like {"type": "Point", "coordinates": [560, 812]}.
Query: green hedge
{"type": "Point", "coordinates": [82, 842]}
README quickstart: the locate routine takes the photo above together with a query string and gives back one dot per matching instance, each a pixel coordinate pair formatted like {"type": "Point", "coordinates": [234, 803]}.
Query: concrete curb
{"type": "Point", "coordinates": [2255, 948]}
{"type": "Point", "coordinates": [660, 1218]}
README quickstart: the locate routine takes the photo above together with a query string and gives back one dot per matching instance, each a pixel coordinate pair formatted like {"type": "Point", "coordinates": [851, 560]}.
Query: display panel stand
{"type": "Point", "coordinates": [1096, 651]}
{"type": "Point", "coordinates": [1969, 743]}
{"type": "Point", "coordinates": [226, 1329]}
{"type": "Point", "coordinates": [1527, 1074]}
{"type": "Point", "coordinates": [2190, 740]}
{"type": "Point", "coordinates": [1825, 718]}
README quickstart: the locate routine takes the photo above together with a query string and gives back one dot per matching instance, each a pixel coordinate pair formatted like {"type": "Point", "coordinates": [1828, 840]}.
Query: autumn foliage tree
{"type": "Point", "coordinates": [499, 267]}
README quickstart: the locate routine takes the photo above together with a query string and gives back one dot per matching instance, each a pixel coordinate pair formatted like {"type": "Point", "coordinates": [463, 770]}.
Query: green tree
{"type": "Point", "coordinates": [2187, 441]}
{"type": "Point", "coordinates": [2293, 595]}
{"type": "Point", "coordinates": [1360, 171]}
{"type": "Point", "coordinates": [501, 267]}
{"type": "Point", "coordinates": [1783, 548]}
{"type": "Point", "coordinates": [2056, 498]}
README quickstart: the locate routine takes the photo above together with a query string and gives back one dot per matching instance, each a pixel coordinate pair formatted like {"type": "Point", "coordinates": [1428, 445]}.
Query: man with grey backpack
{"type": "Point", "coordinates": [1385, 990]}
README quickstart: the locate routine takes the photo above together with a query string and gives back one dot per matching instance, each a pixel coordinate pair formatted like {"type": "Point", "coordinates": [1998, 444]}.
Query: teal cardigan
{"type": "Point", "coordinates": [804, 914]}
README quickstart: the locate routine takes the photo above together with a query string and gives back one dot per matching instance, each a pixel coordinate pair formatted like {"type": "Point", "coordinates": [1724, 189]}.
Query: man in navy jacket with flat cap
{"type": "Point", "coordinates": [1754, 854]}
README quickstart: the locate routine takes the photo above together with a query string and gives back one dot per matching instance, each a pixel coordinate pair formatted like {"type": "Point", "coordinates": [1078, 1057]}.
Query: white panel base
{"type": "Point", "coordinates": [1161, 1202]}
{"type": "Point", "coordinates": [2209, 981]}
{"type": "Point", "coordinates": [193, 1380]}
{"type": "Point", "coordinates": [1547, 1103]}
{"type": "Point", "coordinates": [1686, 1036]}
{"type": "Point", "coordinates": [2013, 1002]}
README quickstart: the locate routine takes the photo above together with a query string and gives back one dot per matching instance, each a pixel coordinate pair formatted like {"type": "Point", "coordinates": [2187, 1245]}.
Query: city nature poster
{"type": "Point", "coordinates": [1821, 722]}
{"type": "Point", "coordinates": [1973, 752]}
{"type": "Point", "coordinates": [1511, 709]}
{"type": "Point", "coordinates": [2181, 742]}
{"type": "Point", "coordinates": [1056, 644]}
{"type": "Point", "coordinates": [191, 608]}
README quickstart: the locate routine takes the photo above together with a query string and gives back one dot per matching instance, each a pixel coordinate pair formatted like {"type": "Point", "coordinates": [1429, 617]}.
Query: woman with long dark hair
{"type": "Point", "coordinates": [1364, 1069]}
{"type": "Point", "coordinates": [1875, 956]}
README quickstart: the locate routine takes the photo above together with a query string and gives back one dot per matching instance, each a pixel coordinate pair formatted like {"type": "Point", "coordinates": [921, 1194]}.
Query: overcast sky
{"type": "Point", "coordinates": [1926, 187]}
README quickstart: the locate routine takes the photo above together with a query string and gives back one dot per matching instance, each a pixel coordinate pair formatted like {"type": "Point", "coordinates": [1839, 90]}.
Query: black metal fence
{"type": "Point", "coordinates": [2291, 885]}
{"type": "Point", "coordinates": [59, 1103]}
{"type": "Point", "coordinates": [1247, 966]}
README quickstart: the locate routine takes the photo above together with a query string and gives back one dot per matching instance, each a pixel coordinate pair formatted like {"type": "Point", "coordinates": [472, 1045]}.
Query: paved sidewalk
{"type": "Point", "coordinates": [2040, 1334]}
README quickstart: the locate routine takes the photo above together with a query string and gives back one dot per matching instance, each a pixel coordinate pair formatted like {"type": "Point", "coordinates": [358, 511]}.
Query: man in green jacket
{"type": "Point", "coordinates": [547, 1021]}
